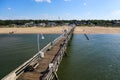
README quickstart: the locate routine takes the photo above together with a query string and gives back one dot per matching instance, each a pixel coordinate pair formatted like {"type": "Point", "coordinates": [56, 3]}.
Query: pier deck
{"type": "Point", "coordinates": [39, 72]}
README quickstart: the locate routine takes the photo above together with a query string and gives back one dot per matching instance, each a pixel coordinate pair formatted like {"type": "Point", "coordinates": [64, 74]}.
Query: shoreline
{"type": "Point", "coordinates": [32, 30]}
{"type": "Point", "coordinates": [58, 30]}
{"type": "Point", "coordinates": [97, 30]}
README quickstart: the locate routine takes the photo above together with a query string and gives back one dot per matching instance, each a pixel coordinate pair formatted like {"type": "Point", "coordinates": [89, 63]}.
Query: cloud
{"type": "Point", "coordinates": [9, 8]}
{"type": "Point", "coordinates": [67, 0]}
{"type": "Point", "coordinates": [111, 15]}
{"type": "Point", "coordinates": [84, 3]}
{"type": "Point", "coordinates": [49, 1]}
{"type": "Point", "coordinates": [116, 13]}
{"type": "Point", "coordinates": [88, 13]}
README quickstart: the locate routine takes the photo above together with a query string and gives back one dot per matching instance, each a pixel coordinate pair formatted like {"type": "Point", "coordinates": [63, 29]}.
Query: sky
{"type": "Point", "coordinates": [60, 9]}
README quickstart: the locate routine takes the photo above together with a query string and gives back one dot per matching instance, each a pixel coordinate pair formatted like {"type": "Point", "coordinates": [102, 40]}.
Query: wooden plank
{"type": "Point", "coordinates": [39, 72]}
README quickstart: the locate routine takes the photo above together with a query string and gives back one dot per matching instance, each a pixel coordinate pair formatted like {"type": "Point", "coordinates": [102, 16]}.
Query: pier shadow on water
{"type": "Point", "coordinates": [95, 59]}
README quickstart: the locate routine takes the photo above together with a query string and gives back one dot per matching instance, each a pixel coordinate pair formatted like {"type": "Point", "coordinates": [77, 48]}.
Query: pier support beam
{"type": "Point", "coordinates": [55, 75]}
{"type": "Point", "coordinates": [65, 53]}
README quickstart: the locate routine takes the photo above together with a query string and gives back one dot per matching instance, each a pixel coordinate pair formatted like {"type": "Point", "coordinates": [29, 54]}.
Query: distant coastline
{"type": "Point", "coordinates": [59, 29]}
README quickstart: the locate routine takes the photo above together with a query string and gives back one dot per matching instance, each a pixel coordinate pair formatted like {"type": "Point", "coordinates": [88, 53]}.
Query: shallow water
{"type": "Point", "coordinates": [95, 59]}
{"type": "Point", "coordinates": [17, 48]}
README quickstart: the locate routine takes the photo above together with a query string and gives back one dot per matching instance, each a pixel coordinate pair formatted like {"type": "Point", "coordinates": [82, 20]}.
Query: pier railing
{"type": "Point", "coordinates": [58, 58]}
{"type": "Point", "coordinates": [18, 71]}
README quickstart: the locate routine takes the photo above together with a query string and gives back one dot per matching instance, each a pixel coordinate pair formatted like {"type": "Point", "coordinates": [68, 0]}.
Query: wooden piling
{"type": "Point", "coordinates": [86, 36]}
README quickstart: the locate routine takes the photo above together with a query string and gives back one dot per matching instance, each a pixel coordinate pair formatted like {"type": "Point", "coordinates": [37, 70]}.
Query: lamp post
{"type": "Point", "coordinates": [60, 19]}
{"type": "Point", "coordinates": [38, 40]}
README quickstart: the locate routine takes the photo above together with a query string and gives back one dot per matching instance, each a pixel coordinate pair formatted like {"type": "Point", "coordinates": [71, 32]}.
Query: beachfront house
{"type": "Point", "coordinates": [12, 25]}
{"type": "Point", "coordinates": [51, 24]}
{"type": "Point", "coordinates": [66, 24]}
{"type": "Point", "coordinates": [116, 23]}
{"type": "Point", "coordinates": [42, 24]}
{"type": "Point", "coordinates": [29, 24]}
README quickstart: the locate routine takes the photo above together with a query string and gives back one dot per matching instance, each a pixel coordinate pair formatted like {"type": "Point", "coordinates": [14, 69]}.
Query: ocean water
{"type": "Point", "coordinates": [95, 59]}
{"type": "Point", "coordinates": [15, 49]}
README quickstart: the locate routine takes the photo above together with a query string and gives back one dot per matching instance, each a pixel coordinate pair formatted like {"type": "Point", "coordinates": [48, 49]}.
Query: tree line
{"type": "Point", "coordinates": [112, 23]}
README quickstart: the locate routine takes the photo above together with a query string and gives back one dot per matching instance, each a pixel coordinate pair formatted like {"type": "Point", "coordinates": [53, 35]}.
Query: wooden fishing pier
{"type": "Point", "coordinates": [44, 64]}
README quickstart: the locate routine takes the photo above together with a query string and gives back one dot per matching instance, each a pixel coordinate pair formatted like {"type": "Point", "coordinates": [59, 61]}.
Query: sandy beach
{"type": "Point", "coordinates": [58, 30]}
{"type": "Point", "coordinates": [32, 30]}
{"type": "Point", "coordinates": [97, 30]}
